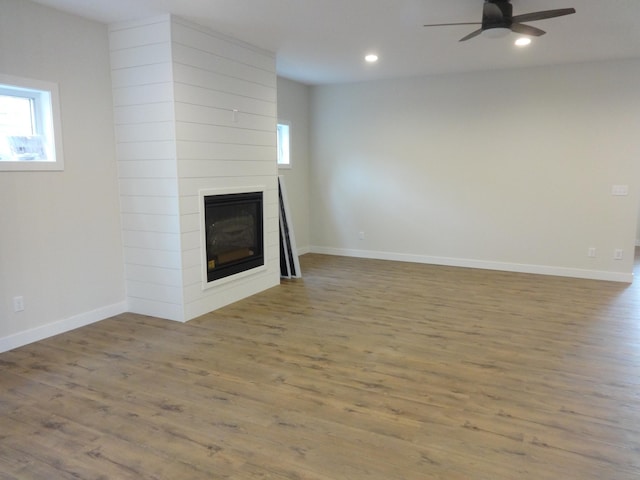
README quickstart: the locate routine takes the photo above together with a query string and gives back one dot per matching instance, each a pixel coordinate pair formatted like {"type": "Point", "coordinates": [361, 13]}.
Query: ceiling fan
{"type": "Point", "coordinates": [497, 16]}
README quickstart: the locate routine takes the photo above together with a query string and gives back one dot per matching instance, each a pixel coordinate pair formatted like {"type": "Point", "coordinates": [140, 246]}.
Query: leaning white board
{"type": "Point", "coordinates": [289, 262]}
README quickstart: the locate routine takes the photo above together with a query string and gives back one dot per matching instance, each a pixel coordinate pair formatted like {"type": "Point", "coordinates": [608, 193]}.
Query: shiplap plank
{"type": "Point", "coordinates": [199, 77]}
{"type": "Point", "coordinates": [150, 223]}
{"type": "Point", "coordinates": [192, 239]}
{"type": "Point", "coordinates": [190, 204]}
{"type": "Point", "coordinates": [192, 257]}
{"type": "Point", "coordinates": [194, 132]}
{"type": "Point", "coordinates": [196, 37]}
{"type": "Point", "coordinates": [154, 291]}
{"type": "Point", "coordinates": [132, 114]}
{"type": "Point", "coordinates": [225, 151]}
{"type": "Point", "coordinates": [143, 55]}
{"type": "Point", "coordinates": [160, 275]}
{"type": "Point", "coordinates": [193, 276]}
{"type": "Point", "coordinates": [129, 36]}
{"type": "Point", "coordinates": [146, 132]}
{"type": "Point", "coordinates": [211, 98]}
{"type": "Point", "coordinates": [147, 169]}
{"type": "Point", "coordinates": [190, 222]}
{"type": "Point", "coordinates": [267, 183]}
{"type": "Point", "coordinates": [215, 63]}
{"type": "Point", "coordinates": [190, 113]}
{"type": "Point", "coordinates": [156, 308]}
{"type": "Point", "coordinates": [165, 150]}
{"type": "Point", "coordinates": [149, 205]}
{"type": "Point", "coordinates": [141, 75]}
{"type": "Point", "coordinates": [191, 186]}
{"type": "Point", "coordinates": [152, 240]}
{"type": "Point", "coordinates": [190, 169]}
{"type": "Point", "coordinates": [153, 92]}
{"type": "Point", "coordinates": [152, 258]}
{"type": "Point", "coordinates": [167, 187]}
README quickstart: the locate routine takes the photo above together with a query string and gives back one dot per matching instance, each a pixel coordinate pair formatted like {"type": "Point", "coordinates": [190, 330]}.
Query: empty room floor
{"type": "Point", "coordinates": [363, 369]}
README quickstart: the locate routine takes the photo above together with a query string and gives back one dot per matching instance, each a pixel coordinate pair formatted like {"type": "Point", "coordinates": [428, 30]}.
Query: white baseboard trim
{"type": "Point", "coordinates": [303, 250]}
{"type": "Point", "coordinates": [45, 331]}
{"type": "Point", "coordinates": [480, 264]}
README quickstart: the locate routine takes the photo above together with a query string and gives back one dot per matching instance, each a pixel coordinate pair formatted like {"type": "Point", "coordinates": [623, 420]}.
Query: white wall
{"type": "Point", "coordinates": [60, 243]}
{"type": "Point", "coordinates": [294, 107]}
{"type": "Point", "coordinates": [176, 87]}
{"type": "Point", "coordinates": [510, 169]}
{"type": "Point", "coordinates": [147, 167]}
{"type": "Point", "coordinates": [215, 75]}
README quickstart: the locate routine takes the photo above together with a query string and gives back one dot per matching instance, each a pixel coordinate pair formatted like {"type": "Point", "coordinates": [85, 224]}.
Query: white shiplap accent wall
{"type": "Point", "coordinates": [193, 110]}
{"type": "Point", "coordinates": [226, 115]}
{"type": "Point", "coordinates": [141, 71]}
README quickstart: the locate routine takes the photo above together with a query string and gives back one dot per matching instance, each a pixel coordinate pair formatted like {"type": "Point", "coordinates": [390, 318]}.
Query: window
{"type": "Point", "coordinates": [30, 136]}
{"type": "Point", "coordinates": [284, 160]}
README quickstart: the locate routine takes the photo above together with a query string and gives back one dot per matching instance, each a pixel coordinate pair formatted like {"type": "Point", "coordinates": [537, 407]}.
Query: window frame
{"type": "Point", "coordinates": [46, 113]}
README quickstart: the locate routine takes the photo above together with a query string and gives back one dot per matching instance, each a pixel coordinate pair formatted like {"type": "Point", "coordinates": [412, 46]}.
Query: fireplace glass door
{"type": "Point", "coordinates": [234, 233]}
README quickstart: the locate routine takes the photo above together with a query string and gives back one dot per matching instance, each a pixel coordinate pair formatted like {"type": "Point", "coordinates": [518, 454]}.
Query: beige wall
{"type": "Point", "coordinates": [294, 107]}
{"type": "Point", "coordinates": [60, 241]}
{"type": "Point", "coordinates": [509, 169]}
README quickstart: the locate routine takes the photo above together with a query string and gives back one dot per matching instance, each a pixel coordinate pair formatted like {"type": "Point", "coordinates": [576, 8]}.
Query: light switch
{"type": "Point", "coordinates": [620, 190]}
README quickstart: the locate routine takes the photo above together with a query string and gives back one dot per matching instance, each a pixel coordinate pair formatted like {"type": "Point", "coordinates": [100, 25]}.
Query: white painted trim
{"type": "Point", "coordinates": [45, 331]}
{"type": "Point", "coordinates": [480, 264]}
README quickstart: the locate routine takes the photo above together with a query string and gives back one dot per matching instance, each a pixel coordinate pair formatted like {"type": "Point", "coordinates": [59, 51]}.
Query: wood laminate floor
{"type": "Point", "coordinates": [364, 369]}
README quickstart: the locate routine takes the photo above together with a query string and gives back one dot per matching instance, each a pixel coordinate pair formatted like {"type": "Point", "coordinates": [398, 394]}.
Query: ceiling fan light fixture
{"type": "Point", "coordinates": [523, 42]}
{"type": "Point", "coordinates": [496, 32]}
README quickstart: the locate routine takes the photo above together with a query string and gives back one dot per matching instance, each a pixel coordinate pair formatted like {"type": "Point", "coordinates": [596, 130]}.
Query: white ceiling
{"type": "Point", "coordinates": [324, 41]}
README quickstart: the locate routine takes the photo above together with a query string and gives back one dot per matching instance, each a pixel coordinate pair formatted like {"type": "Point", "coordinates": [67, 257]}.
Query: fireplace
{"type": "Point", "coordinates": [233, 228]}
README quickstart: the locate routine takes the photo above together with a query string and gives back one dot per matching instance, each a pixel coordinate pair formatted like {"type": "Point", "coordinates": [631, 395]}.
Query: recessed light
{"type": "Point", "coordinates": [523, 41]}
{"type": "Point", "coordinates": [371, 58]}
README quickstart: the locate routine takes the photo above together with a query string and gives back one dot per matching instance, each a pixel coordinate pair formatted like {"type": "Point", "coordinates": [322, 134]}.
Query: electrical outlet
{"type": "Point", "coordinates": [361, 235]}
{"type": "Point", "coordinates": [591, 252]}
{"type": "Point", "coordinates": [18, 304]}
{"type": "Point", "coordinates": [617, 254]}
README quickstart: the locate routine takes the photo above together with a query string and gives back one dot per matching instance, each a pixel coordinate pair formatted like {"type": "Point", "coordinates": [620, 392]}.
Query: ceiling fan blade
{"type": "Point", "coordinates": [527, 30]}
{"type": "Point", "coordinates": [531, 17]}
{"type": "Point", "coordinates": [471, 35]}
{"type": "Point", "coordinates": [450, 24]}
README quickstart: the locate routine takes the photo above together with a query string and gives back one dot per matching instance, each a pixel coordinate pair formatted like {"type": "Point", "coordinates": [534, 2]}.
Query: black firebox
{"type": "Point", "coordinates": [234, 233]}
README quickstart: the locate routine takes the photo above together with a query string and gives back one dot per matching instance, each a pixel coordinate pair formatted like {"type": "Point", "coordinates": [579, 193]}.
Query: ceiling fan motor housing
{"type": "Point", "coordinates": [497, 14]}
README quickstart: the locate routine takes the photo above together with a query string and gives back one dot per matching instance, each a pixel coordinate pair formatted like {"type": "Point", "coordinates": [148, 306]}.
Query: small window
{"type": "Point", "coordinates": [29, 125]}
{"type": "Point", "coordinates": [284, 160]}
